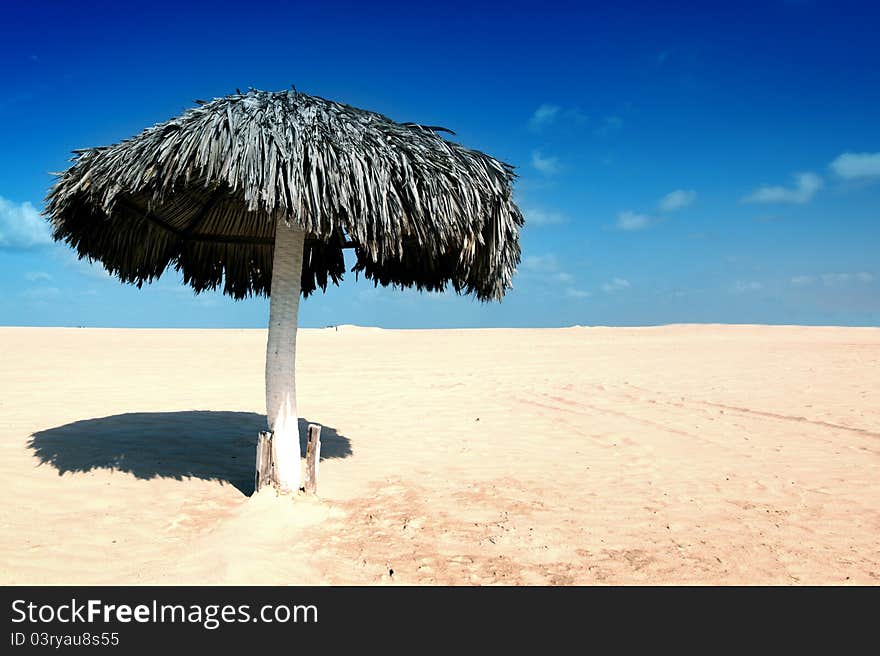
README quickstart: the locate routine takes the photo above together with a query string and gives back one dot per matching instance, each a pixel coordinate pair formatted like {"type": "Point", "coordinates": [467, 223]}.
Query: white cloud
{"type": "Point", "coordinates": [852, 166]}
{"type": "Point", "coordinates": [743, 286]}
{"type": "Point", "coordinates": [632, 221]}
{"type": "Point", "coordinates": [675, 200]}
{"type": "Point", "coordinates": [806, 186]}
{"type": "Point", "coordinates": [546, 165]}
{"type": "Point", "coordinates": [21, 226]}
{"type": "Point", "coordinates": [802, 280]}
{"type": "Point", "coordinates": [544, 115]}
{"type": "Point", "coordinates": [35, 276]}
{"type": "Point", "coordinates": [573, 292]}
{"type": "Point", "coordinates": [615, 285]}
{"type": "Point", "coordinates": [535, 216]}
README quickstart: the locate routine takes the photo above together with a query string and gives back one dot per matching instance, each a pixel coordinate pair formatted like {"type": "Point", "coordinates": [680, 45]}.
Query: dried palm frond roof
{"type": "Point", "coordinates": [203, 192]}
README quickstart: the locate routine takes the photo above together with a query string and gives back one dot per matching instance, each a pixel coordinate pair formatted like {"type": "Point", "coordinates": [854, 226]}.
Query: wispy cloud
{"type": "Point", "coordinates": [179, 289]}
{"type": "Point", "coordinates": [547, 165]}
{"type": "Point", "coordinates": [83, 266]}
{"type": "Point", "coordinates": [41, 293]}
{"type": "Point", "coordinates": [805, 187]}
{"type": "Point", "coordinates": [615, 285]}
{"type": "Point", "coordinates": [676, 200]}
{"type": "Point", "coordinates": [833, 279]}
{"type": "Point", "coordinates": [563, 277]}
{"type": "Point", "coordinates": [544, 116]}
{"type": "Point", "coordinates": [546, 270]}
{"type": "Point", "coordinates": [857, 166]}
{"type": "Point", "coordinates": [632, 221]}
{"type": "Point", "coordinates": [843, 278]}
{"type": "Point", "coordinates": [549, 114]}
{"type": "Point", "coordinates": [744, 286]}
{"type": "Point", "coordinates": [548, 263]}
{"type": "Point", "coordinates": [536, 216]}
{"type": "Point", "coordinates": [21, 226]}
{"type": "Point", "coordinates": [36, 276]}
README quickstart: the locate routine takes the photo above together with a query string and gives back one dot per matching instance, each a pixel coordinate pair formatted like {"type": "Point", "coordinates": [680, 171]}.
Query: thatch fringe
{"type": "Point", "coordinates": [202, 192]}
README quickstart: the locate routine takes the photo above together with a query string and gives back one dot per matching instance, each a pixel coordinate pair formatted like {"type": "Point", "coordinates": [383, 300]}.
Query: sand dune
{"type": "Point", "coordinates": [679, 454]}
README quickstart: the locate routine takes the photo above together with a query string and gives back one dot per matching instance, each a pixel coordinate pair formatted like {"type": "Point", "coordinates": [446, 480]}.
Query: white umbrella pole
{"type": "Point", "coordinates": [287, 264]}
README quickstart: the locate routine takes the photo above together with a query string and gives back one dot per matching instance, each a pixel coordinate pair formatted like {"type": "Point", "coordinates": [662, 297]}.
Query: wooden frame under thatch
{"type": "Point", "coordinates": [203, 193]}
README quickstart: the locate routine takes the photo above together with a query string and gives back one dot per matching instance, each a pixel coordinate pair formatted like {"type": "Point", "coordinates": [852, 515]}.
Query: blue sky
{"type": "Point", "coordinates": [677, 163]}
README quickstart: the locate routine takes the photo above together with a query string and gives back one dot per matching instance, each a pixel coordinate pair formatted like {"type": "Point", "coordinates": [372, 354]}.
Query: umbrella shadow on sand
{"type": "Point", "coordinates": [215, 446]}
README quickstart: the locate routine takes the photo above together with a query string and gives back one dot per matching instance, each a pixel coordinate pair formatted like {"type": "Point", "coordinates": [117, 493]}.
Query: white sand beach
{"type": "Point", "coordinates": [679, 454]}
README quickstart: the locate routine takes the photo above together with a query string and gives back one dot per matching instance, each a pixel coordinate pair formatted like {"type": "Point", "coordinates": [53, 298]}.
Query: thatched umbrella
{"type": "Point", "coordinates": [260, 192]}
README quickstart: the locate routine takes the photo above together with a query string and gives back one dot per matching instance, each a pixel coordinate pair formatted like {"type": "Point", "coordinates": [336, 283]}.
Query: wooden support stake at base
{"type": "Point", "coordinates": [313, 457]}
{"type": "Point", "coordinates": [265, 474]}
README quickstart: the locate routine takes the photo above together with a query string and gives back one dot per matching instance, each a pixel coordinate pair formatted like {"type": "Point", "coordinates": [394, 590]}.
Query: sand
{"type": "Point", "coordinates": [677, 454]}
